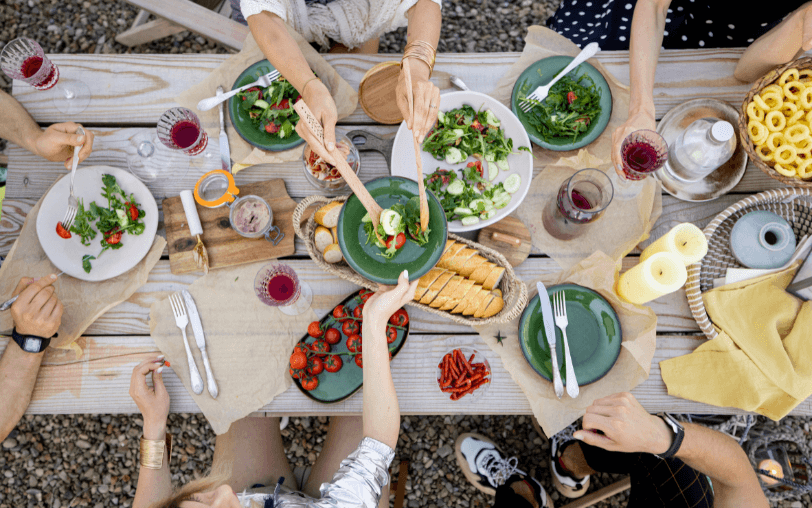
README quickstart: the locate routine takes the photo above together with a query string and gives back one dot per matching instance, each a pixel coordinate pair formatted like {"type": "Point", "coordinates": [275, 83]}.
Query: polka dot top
{"type": "Point", "coordinates": [689, 24]}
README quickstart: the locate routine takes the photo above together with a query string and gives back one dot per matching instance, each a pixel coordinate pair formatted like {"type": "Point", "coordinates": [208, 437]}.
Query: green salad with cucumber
{"type": "Point", "coordinates": [394, 225]}
{"type": "Point", "coordinates": [271, 108]}
{"type": "Point", "coordinates": [573, 103]}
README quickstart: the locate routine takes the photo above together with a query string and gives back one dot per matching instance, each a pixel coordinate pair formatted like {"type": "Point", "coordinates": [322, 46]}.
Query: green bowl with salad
{"type": "Point", "coordinates": [575, 112]}
{"type": "Point", "coordinates": [408, 248]}
{"type": "Point", "coordinates": [264, 117]}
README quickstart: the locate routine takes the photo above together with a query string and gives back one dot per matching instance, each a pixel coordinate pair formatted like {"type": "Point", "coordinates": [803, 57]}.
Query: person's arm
{"type": "Point", "coordinates": [627, 427]}
{"type": "Point", "coordinates": [648, 26]}
{"type": "Point", "coordinates": [54, 143]}
{"type": "Point", "coordinates": [37, 312]}
{"type": "Point", "coordinates": [381, 411]}
{"type": "Point", "coordinates": [785, 42]}
{"type": "Point", "coordinates": [153, 484]}
{"type": "Point", "coordinates": [425, 19]}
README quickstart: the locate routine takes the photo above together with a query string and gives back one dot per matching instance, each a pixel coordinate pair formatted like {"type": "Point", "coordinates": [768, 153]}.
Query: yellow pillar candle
{"type": "Point", "coordinates": [660, 274]}
{"type": "Point", "coordinates": [685, 240]}
{"type": "Point", "coordinates": [772, 467]}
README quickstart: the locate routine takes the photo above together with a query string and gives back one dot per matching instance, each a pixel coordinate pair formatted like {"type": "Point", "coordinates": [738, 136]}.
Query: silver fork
{"type": "Point", "coordinates": [73, 203]}
{"type": "Point", "coordinates": [182, 320]}
{"type": "Point", "coordinates": [263, 81]}
{"type": "Point", "coordinates": [540, 93]}
{"type": "Point", "coordinates": [561, 321]}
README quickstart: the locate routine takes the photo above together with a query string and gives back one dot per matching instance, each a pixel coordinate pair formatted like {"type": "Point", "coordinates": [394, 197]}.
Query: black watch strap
{"type": "Point", "coordinates": [679, 435]}
{"type": "Point", "coordinates": [30, 343]}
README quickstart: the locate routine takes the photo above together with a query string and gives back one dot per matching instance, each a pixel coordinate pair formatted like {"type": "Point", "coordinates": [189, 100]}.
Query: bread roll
{"type": "Point", "coordinates": [494, 278]}
{"type": "Point", "coordinates": [472, 264]}
{"type": "Point", "coordinates": [322, 238]}
{"type": "Point", "coordinates": [327, 215]}
{"type": "Point", "coordinates": [436, 287]}
{"type": "Point", "coordinates": [332, 253]}
{"type": "Point", "coordinates": [448, 290]}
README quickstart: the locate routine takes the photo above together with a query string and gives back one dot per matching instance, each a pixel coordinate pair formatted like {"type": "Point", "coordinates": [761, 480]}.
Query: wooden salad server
{"type": "Point", "coordinates": [421, 186]}
{"type": "Point", "coordinates": [344, 169]}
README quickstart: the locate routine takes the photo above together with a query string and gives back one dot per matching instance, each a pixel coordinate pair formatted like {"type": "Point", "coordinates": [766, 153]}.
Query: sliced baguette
{"type": "Point", "coordinates": [335, 234]}
{"type": "Point", "coordinates": [475, 303]}
{"type": "Point", "coordinates": [436, 287]}
{"type": "Point", "coordinates": [496, 306]}
{"type": "Point", "coordinates": [426, 281]}
{"type": "Point", "coordinates": [332, 253]}
{"type": "Point", "coordinates": [484, 305]}
{"type": "Point", "coordinates": [473, 262]}
{"type": "Point", "coordinates": [448, 290]}
{"type": "Point", "coordinates": [494, 278]}
{"type": "Point", "coordinates": [449, 254]}
{"type": "Point", "coordinates": [327, 215]}
{"type": "Point", "coordinates": [458, 261]}
{"type": "Point", "coordinates": [497, 292]}
{"type": "Point", "coordinates": [481, 273]}
{"type": "Point", "coordinates": [466, 300]}
{"type": "Point", "coordinates": [322, 238]}
{"type": "Point", "coordinates": [464, 287]}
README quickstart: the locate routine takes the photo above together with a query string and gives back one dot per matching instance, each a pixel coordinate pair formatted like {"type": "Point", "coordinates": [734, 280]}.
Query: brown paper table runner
{"type": "Point", "coordinates": [636, 205]}
{"type": "Point", "coordinates": [639, 327]}
{"type": "Point", "coordinates": [83, 301]}
{"type": "Point", "coordinates": [242, 152]}
{"type": "Point", "coordinates": [248, 343]}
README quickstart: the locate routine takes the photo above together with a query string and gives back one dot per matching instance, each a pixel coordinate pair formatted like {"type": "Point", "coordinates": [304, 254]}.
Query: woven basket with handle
{"type": "Point", "coordinates": [793, 204]}
{"type": "Point", "coordinates": [767, 80]}
{"type": "Point", "coordinates": [514, 291]}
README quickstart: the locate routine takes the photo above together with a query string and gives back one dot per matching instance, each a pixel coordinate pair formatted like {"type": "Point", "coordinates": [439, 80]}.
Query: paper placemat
{"type": "Point", "coordinates": [345, 97]}
{"type": "Point", "coordinates": [248, 343]}
{"type": "Point", "coordinates": [639, 326]}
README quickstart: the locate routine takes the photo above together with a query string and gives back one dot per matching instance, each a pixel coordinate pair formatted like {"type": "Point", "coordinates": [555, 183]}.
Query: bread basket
{"type": "Point", "coordinates": [514, 291]}
{"type": "Point", "coordinates": [768, 79]}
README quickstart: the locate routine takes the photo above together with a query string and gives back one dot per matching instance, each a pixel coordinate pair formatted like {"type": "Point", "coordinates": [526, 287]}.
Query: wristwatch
{"type": "Point", "coordinates": [679, 435]}
{"type": "Point", "coordinates": [30, 343]}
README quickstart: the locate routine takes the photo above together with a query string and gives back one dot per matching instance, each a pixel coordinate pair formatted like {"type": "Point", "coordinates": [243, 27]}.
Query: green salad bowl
{"type": "Point", "coordinates": [243, 123]}
{"type": "Point", "coordinates": [542, 72]}
{"type": "Point", "coordinates": [366, 258]}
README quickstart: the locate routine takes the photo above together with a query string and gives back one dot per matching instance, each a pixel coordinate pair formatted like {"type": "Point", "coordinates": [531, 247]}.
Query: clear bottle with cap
{"type": "Point", "coordinates": [702, 148]}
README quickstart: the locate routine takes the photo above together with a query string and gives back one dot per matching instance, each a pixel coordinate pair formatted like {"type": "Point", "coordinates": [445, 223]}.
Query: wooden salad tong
{"type": "Point", "coordinates": [421, 186]}
{"type": "Point", "coordinates": [344, 169]}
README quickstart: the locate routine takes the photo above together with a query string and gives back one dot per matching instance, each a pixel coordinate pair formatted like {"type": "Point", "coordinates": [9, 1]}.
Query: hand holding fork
{"type": "Point", "coordinates": [73, 203]}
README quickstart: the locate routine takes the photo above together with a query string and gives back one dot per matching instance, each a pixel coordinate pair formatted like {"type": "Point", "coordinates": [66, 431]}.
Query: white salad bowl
{"type": "Point", "coordinates": [66, 253]}
{"type": "Point", "coordinates": [520, 162]}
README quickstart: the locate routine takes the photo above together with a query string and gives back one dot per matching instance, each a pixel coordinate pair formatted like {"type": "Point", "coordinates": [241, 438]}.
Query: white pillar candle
{"type": "Point", "coordinates": [660, 274]}
{"type": "Point", "coordinates": [685, 240]}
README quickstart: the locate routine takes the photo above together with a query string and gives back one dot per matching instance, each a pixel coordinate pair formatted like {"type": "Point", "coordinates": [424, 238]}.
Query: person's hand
{"type": "Point", "coordinates": [37, 310]}
{"type": "Point", "coordinates": [626, 426]}
{"type": "Point", "coordinates": [426, 98]}
{"type": "Point", "coordinates": [321, 103]}
{"type": "Point", "coordinates": [56, 143]}
{"type": "Point", "coordinates": [806, 16]}
{"type": "Point", "coordinates": [152, 402]}
{"type": "Point", "coordinates": [637, 121]}
{"type": "Point", "coordinates": [380, 306]}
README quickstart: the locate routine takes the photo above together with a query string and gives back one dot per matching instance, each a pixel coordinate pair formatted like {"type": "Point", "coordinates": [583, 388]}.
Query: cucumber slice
{"type": "Point", "coordinates": [262, 104]}
{"type": "Point", "coordinates": [366, 218]}
{"type": "Point", "coordinates": [490, 157]}
{"type": "Point", "coordinates": [463, 211]}
{"type": "Point", "coordinates": [470, 221]}
{"type": "Point", "coordinates": [512, 183]}
{"type": "Point", "coordinates": [475, 204]}
{"type": "Point", "coordinates": [487, 215]}
{"type": "Point", "coordinates": [493, 171]}
{"type": "Point", "coordinates": [456, 187]}
{"type": "Point", "coordinates": [503, 165]}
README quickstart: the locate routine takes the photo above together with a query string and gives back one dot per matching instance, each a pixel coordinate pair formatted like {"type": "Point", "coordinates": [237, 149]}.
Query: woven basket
{"type": "Point", "coordinates": [514, 291]}
{"type": "Point", "coordinates": [794, 205]}
{"type": "Point", "coordinates": [758, 86]}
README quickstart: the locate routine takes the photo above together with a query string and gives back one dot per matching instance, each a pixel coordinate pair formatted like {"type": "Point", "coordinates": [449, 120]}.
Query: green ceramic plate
{"type": "Point", "coordinates": [242, 122]}
{"type": "Point", "coordinates": [337, 386]}
{"type": "Point", "coordinates": [365, 258]}
{"type": "Point", "coordinates": [541, 73]}
{"type": "Point", "coordinates": [594, 335]}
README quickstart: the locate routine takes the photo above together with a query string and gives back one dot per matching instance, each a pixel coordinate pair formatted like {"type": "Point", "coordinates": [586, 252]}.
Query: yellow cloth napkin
{"type": "Point", "coordinates": [762, 359]}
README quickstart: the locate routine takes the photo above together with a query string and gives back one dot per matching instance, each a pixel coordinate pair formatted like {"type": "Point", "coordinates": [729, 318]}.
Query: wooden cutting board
{"type": "Point", "coordinates": [510, 237]}
{"type": "Point", "coordinates": [376, 93]}
{"type": "Point", "coordinates": [224, 245]}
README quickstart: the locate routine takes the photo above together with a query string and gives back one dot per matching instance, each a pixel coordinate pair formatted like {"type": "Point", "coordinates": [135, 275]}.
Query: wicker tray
{"type": "Point", "coordinates": [758, 86]}
{"type": "Point", "coordinates": [793, 204]}
{"type": "Point", "coordinates": [514, 291]}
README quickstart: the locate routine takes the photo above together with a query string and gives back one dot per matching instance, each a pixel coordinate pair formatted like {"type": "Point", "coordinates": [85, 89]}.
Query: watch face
{"type": "Point", "coordinates": [32, 345]}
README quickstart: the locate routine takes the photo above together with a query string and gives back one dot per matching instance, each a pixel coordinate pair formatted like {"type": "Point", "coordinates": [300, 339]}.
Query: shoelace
{"type": "Point", "coordinates": [499, 470]}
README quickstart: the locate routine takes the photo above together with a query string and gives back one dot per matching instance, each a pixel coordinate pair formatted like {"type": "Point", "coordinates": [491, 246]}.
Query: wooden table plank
{"type": "Point", "coordinates": [99, 381]}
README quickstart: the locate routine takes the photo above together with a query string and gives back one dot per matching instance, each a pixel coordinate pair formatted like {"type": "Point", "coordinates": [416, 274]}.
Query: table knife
{"type": "Point", "coordinates": [549, 331]}
{"type": "Point", "coordinates": [225, 152]}
{"type": "Point", "coordinates": [200, 339]}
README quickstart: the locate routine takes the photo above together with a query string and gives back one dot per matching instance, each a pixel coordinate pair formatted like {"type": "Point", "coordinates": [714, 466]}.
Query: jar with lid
{"type": "Point", "coordinates": [702, 148]}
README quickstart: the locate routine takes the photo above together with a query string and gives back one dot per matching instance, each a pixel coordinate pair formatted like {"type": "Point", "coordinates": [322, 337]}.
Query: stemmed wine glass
{"type": "Point", "coordinates": [180, 129]}
{"type": "Point", "coordinates": [643, 152]}
{"type": "Point", "coordinates": [582, 199]}
{"type": "Point", "coordinates": [278, 285]}
{"type": "Point", "coordinates": [24, 59]}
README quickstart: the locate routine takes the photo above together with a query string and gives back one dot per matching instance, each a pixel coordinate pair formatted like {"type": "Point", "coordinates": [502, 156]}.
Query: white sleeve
{"type": "Point", "coordinates": [251, 7]}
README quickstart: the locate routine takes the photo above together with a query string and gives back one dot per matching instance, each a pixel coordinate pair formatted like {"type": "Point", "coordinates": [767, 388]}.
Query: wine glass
{"type": "Point", "coordinates": [149, 160]}
{"type": "Point", "coordinates": [180, 129]}
{"type": "Point", "coordinates": [278, 285]}
{"type": "Point", "coordinates": [582, 199]}
{"type": "Point", "coordinates": [643, 152]}
{"type": "Point", "coordinates": [24, 59]}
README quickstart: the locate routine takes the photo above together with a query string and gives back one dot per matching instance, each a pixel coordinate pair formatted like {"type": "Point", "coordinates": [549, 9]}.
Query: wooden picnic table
{"type": "Point", "coordinates": [129, 94]}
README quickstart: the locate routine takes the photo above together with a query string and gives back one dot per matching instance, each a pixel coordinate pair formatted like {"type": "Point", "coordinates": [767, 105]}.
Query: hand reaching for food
{"type": "Point", "coordinates": [387, 300]}
{"type": "Point", "coordinates": [426, 98]}
{"type": "Point", "coordinates": [323, 107]}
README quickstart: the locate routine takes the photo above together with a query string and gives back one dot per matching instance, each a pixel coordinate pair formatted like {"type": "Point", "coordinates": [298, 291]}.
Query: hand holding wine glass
{"type": "Point", "coordinates": [638, 120]}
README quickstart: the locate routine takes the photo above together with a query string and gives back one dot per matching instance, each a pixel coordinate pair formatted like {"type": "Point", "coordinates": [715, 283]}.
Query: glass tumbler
{"type": "Point", "coordinates": [581, 199]}
{"type": "Point", "coordinates": [278, 285]}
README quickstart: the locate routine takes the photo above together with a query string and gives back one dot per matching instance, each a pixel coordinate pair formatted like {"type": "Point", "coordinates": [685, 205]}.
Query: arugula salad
{"type": "Point", "coordinates": [271, 108]}
{"type": "Point", "coordinates": [394, 224]}
{"type": "Point", "coordinates": [471, 197]}
{"type": "Point", "coordinates": [122, 215]}
{"type": "Point", "coordinates": [569, 109]}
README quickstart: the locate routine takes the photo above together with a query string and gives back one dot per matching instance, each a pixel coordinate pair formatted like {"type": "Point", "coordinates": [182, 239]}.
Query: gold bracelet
{"type": "Point", "coordinates": [152, 452]}
{"type": "Point", "coordinates": [422, 58]}
{"type": "Point", "coordinates": [307, 83]}
{"type": "Point", "coordinates": [424, 47]}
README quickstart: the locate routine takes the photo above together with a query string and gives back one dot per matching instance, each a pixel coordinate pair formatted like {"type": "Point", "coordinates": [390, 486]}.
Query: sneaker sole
{"type": "Point", "coordinates": [462, 463]}
{"type": "Point", "coordinates": [567, 491]}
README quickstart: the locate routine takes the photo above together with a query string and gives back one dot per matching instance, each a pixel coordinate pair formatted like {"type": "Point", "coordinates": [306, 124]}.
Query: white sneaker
{"type": "Point", "coordinates": [565, 482]}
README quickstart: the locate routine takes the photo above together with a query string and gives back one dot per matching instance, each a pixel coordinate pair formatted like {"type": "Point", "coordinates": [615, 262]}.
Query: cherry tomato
{"type": "Point", "coordinates": [476, 125]}
{"type": "Point", "coordinates": [478, 166]}
{"type": "Point", "coordinates": [333, 363]}
{"type": "Point", "coordinates": [133, 211]}
{"type": "Point", "coordinates": [271, 128]}
{"type": "Point", "coordinates": [254, 89]}
{"type": "Point", "coordinates": [332, 336]}
{"type": "Point", "coordinates": [310, 383]}
{"type": "Point", "coordinates": [295, 374]}
{"type": "Point", "coordinates": [365, 294]}
{"type": "Point", "coordinates": [354, 343]}
{"type": "Point", "coordinates": [301, 347]}
{"type": "Point", "coordinates": [320, 346]}
{"type": "Point", "coordinates": [314, 329]}
{"type": "Point", "coordinates": [399, 241]}
{"type": "Point", "coordinates": [316, 366]}
{"type": "Point", "coordinates": [298, 360]}
{"type": "Point", "coordinates": [283, 104]}
{"type": "Point", "coordinates": [571, 97]}
{"type": "Point", "coordinates": [61, 231]}
{"type": "Point", "coordinates": [399, 318]}
{"type": "Point", "coordinates": [391, 335]}
{"type": "Point", "coordinates": [359, 361]}
{"type": "Point", "coordinates": [112, 237]}
{"type": "Point", "coordinates": [358, 312]}
{"type": "Point", "coordinates": [339, 312]}
{"type": "Point", "coordinates": [350, 327]}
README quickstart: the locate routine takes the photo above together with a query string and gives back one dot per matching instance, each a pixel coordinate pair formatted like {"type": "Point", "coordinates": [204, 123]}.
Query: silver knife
{"type": "Point", "coordinates": [200, 338]}
{"type": "Point", "coordinates": [225, 153]}
{"type": "Point", "coordinates": [549, 331]}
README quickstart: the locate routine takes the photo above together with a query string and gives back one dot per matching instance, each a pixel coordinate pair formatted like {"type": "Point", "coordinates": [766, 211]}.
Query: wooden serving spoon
{"type": "Point", "coordinates": [421, 186]}
{"type": "Point", "coordinates": [344, 169]}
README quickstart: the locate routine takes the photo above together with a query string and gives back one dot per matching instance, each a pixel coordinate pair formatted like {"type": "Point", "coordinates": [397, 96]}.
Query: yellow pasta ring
{"type": "Point", "coordinates": [803, 145]}
{"type": "Point", "coordinates": [786, 172]}
{"type": "Point", "coordinates": [788, 75]}
{"type": "Point", "coordinates": [772, 88]}
{"type": "Point", "coordinates": [757, 131]}
{"type": "Point", "coordinates": [775, 121]}
{"type": "Point", "coordinates": [796, 118]}
{"type": "Point", "coordinates": [796, 133]}
{"type": "Point", "coordinates": [754, 112]}
{"type": "Point", "coordinates": [804, 170]}
{"type": "Point", "coordinates": [760, 103]}
{"type": "Point", "coordinates": [805, 98]}
{"type": "Point", "coordinates": [788, 109]}
{"type": "Point", "coordinates": [775, 140]}
{"type": "Point", "coordinates": [794, 164]}
{"type": "Point", "coordinates": [773, 100]}
{"type": "Point", "coordinates": [792, 89]}
{"type": "Point", "coordinates": [805, 75]}
{"type": "Point", "coordinates": [785, 154]}
{"type": "Point", "coordinates": [764, 153]}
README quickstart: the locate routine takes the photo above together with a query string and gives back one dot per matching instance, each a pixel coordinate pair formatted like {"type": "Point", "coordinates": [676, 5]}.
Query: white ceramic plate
{"type": "Point", "coordinates": [521, 163]}
{"type": "Point", "coordinates": [67, 254]}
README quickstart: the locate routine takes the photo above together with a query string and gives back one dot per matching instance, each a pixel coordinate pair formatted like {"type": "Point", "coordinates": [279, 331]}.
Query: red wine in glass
{"type": "Point", "coordinates": [32, 65]}
{"type": "Point", "coordinates": [277, 285]}
{"type": "Point", "coordinates": [281, 287]}
{"type": "Point", "coordinates": [25, 60]}
{"type": "Point", "coordinates": [180, 129]}
{"type": "Point", "coordinates": [643, 152]}
{"type": "Point", "coordinates": [184, 134]}
{"type": "Point", "coordinates": [580, 200]}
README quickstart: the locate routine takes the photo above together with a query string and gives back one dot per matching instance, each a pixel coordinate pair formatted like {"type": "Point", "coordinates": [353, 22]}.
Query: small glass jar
{"type": "Point", "coordinates": [324, 176]}
{"type": "Point", "coordinates": [252, 217]}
